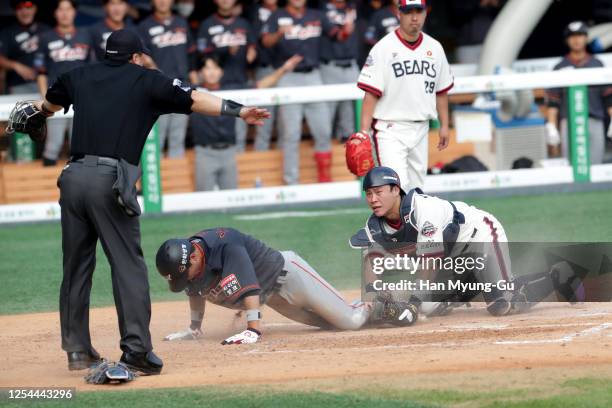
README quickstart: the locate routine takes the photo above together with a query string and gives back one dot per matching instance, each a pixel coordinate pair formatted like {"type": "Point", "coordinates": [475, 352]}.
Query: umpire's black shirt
{"type": "Point", "coordinates": [115, 106]}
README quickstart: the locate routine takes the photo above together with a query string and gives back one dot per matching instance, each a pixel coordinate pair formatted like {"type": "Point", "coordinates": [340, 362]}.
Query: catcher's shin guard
{"type": "Point", "coordinates": [324, 162]}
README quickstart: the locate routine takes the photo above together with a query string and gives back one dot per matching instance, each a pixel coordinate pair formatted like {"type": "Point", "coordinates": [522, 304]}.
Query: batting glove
{"type": "Point", "coordinates": [553, 137]}
{"type": "Point", "coordinates": [188, 334]}
{"type": "Point", "coordinates": [246, 337]}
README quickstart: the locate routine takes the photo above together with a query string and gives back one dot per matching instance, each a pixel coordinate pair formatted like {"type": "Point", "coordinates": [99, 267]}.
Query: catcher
{"type": "Point", "coordinates": [234, 270]}
{"type": "Point", "coordinates": [438, 228]}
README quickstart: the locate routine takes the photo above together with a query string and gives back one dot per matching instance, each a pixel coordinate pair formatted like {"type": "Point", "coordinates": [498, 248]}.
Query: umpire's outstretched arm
{"type": "Point", "coordinates": [204, 103]}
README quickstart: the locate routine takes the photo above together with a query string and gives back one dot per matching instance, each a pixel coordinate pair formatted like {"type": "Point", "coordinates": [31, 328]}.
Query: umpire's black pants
{"type": "Point", "coordinates": [90, 211]}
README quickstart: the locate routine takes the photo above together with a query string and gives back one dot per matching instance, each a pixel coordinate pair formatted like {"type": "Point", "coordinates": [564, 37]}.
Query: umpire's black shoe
{"type": "Point", "coordinates": [80, 360]}
{"type": "Point", "coordinates": [145, 363]}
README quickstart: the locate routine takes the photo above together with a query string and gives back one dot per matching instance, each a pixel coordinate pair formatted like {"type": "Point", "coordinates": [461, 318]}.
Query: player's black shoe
{"type": "Point", "coordinates": [145, 363]}
{"type": "Point", "coordinates": [568, 285]}
{"type": "Point", "coordinates": [80, 360]}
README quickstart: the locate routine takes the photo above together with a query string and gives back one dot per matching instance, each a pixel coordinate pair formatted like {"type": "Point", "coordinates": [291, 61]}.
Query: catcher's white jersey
{"type": "Point", "coordinates": [406, 77]}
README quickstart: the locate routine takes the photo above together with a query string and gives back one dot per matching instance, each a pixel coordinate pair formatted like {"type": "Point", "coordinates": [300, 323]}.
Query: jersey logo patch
{"type": "Point", "coordinates": [428, 229]}
{"type": "Point", "coordinates": [230, 285]}
{"type": "Point", "coordinates": [369, 61]}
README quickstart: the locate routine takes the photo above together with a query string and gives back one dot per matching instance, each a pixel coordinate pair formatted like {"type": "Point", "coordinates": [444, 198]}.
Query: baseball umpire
{"type": "Point", "coordinates": [234, 270]}
{"type": "Point", "coordinates": [437, 227]}
{"type": "Point", "coordinates": [116, 103]}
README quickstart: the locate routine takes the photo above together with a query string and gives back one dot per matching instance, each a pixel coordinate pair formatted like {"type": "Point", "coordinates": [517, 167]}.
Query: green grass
{"type": "Point", "coordinates": [580, 392]}
{"type": "Point", "coordinates": [31, 260]}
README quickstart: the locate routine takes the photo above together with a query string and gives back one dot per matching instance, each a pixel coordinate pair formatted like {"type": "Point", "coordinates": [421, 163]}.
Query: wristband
{"type": "Point", "coordinates": [230, 108]}
{"type": "Point", "coordinates": [196, 320]}
{"type": "Point", "coordinates": [253, 315]}
{"type": "Point", "coordinates": [45, 110]}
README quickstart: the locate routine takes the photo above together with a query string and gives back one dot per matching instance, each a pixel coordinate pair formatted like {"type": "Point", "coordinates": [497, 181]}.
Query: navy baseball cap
{"type": "Point", "coordinates": [121, 44]}
{"type": "Point", "coordinates": [406, 5]}
{"type": "Point", "coordinates": [576, 27]}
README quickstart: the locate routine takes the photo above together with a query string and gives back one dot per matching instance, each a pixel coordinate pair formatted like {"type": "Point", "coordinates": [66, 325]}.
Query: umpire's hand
{"type": "Point", "coordinates": [254, 116]}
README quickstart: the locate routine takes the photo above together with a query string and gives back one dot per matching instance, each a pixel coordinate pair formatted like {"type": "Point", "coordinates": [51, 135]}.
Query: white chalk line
{"type": "Point", "coordinates": [568, 338]}
{"type": "Point", "coordinates": [564, 339]}
{"type": "Point", "coordinates": [298, 214]}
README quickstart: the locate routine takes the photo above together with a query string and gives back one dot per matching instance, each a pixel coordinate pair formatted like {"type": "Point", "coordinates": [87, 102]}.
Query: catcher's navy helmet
{"type": "Point", "coordinates": [172, 262]}
{"type": "Point", "coordinates": [382, 176]}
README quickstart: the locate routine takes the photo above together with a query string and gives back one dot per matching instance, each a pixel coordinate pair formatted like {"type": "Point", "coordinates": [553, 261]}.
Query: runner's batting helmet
{"type": "Point", "coordinates": [172, 262]}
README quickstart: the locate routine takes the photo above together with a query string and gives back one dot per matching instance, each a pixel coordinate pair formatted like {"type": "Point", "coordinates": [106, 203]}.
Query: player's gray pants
{"type": "Point", "coordinates": [290, 124]}
{"type": "Point", "coordinates": [264, 133]}
{"type": "Point", "coordinates": [56, 132]}
{"type": "Point", "coordinates": [345, 110]}
{"type": "Point", "coordinates": [307, 292]}
{"type": "Point", "coordinates": [215, 167]}
{"type": "Point", "coordinates": [597, 140]}
{"type": "Point", "coordinates": [174, 128]}
{"type": "Point", "coordinates": [241, 134]}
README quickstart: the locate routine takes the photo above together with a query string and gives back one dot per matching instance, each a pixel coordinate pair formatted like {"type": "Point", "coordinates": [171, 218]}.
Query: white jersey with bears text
{"type": "Point", "coordinates": [406, 77]}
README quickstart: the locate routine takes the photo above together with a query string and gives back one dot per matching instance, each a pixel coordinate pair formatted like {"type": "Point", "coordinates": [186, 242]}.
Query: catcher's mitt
{"type": "Point", "coordinates": [109, 372]}
{"type": "Point", "coordinates": [26, 118]}
{"type": "Point", "coordinates": [359, 157]}
{"type": "Point", "coordinates": [395, 312]}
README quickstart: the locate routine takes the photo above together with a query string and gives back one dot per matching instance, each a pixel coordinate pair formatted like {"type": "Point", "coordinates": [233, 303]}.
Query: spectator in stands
{"type": "Point", "coordinates": [18, 46]}
{"type": "Point", "coordinates": [382, 22]}
{"type": "Point", "coordinates": [262, 13]}
{"type": "Point", "coordinates": [298, 30]}
{"type": "Point", "coordinates": [600, 98]}
{"type": "Point", "coordinates": [474, 19]}
{"type": "Point", "coordinates": [60, 50]}
{"type": "Point", "coordinates": [215, 137]}
{"type": "Point", "coordinates": [232, 39]}
{"type": "Point", "coordinates": [339, 49]}
{"type": "Point", "coordinates": [174, 52]}
{"type": "Point", "coordinates": [114, 19]}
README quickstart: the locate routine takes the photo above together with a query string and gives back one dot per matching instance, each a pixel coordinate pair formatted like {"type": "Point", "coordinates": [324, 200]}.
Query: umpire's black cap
{"type": "Point", "coordinates": [576, 28]}
{"type": "Point", "coordinates": [121, 44]}
{"type": "Point", "coordinates": [172, 262]}
{"type": "Point", "coordinates": [382, 176]}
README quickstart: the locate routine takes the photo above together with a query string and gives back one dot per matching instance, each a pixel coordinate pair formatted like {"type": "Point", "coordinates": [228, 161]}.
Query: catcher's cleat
{"type": "Point", "coordinates": [499, 307]}
{"type": "Point", "coordinates": [80, 360]}
{"type": "Point", "coordinates": [568, 285]}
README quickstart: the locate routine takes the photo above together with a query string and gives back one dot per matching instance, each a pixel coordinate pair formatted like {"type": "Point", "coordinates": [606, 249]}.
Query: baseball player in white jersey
{"type": "Point", "coordinates": [406, 78]}
{"type": "Point", "coordinates": [449, 229]}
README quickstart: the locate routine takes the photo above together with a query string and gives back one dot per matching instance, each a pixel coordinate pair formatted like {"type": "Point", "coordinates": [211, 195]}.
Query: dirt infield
{"type": "Point", "coordinates": [553, 340]}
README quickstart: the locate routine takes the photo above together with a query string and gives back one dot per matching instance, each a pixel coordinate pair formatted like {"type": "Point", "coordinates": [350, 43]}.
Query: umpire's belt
{"type": "Point", "coordinates": [91, 160]}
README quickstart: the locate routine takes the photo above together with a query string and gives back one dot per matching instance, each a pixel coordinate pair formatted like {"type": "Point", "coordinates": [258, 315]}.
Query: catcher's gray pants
{"type": "Point", "coordinates": [290, 124]}
{"type": "Point", "coordinates": [56, 133]}
{"type": "Point", "coordinates": [597, 140]}
{"type": "Point", "coordinates": [264, 132]}
{"type": "Point", "coordinates": [309, 297]}
{"type": "Point", "coordinates": [174, 128]}
{"type": "Point", "coordinates": [215, 167]}
{"type": "Point", "coordinates": [89, 210]}
{"type": "Point", "coordinates": [345, 110]}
